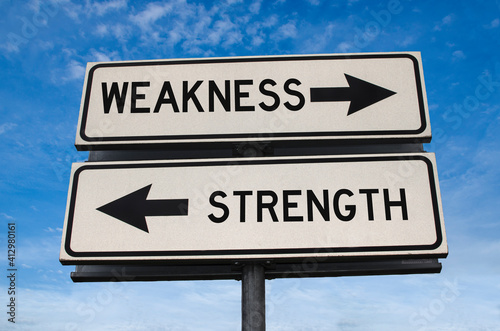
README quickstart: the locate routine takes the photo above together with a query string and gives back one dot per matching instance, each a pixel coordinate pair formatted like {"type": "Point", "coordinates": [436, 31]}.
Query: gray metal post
{"type": "Point", "coordinates": [253, 298]}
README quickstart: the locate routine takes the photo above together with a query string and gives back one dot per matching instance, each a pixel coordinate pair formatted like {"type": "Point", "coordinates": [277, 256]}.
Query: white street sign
{"type": "Point", "coordinates": [376, 96]}
{"type": "Point", "coordinates": [271, 208]}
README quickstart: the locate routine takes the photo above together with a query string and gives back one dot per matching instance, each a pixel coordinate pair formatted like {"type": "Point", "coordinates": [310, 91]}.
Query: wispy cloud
{"type": "Point", "coordinates": [117, 30]}
{"type": "Point", "coordinates": [74, 70]}
{"type": "Point", "coordinates": [344, 47]}
{"type": "Point", "coordinates": [102, 55]}
{"type": "Point", "coordinates": [406, 41]}
{"type": "Point", "coordinates": [224, 30]}
{"type": "Point", "coordinates": [321, 39]}
{"type": "Point", "coordinates": [258, 31]}
{"type": "Point", "coordinates": [78, 11]}
{"type": "Point", "coordinates": [458, 55]}
{"type": "Point", "coordinates": [445, 21]}
{"type": "Point", "coordinates": [4, 127]}
{"type": "Point", "coordinates": [105, 306]}
{"type": "Point", "coordinates": [287, 30]}
{"type": "Point", "coordinates": [52, 230]}
{"type": "Point", "coordinates": [4, 215]}
{"type": "Point", "coordinates": [493, 24]}
{"type": "Point", "coordinates": [101, 8]}
{"type": "Point", "coordinates": [199, 29]}
{"type": "Point", "coordinates": [101, 30]}
{"type": "Point", "coordinates": [153, 12]}
{"type": "Point", "coordinates": [255, 6]}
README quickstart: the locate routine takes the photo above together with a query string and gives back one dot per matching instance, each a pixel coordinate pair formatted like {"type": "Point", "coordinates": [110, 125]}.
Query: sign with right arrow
{"type": "Point", "coordinates": [372, 96]}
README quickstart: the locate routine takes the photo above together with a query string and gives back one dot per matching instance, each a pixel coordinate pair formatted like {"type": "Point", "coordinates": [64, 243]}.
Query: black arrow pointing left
{"type": "Point", "coordinates": [134, 207]}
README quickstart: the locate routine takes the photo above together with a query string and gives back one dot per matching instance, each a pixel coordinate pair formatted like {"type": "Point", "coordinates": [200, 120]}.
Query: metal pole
{"type": "Point", "coordinates": [253, 298]}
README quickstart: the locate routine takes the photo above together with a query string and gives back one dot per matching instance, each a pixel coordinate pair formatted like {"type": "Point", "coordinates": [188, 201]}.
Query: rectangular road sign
{"type": "Point", "coordinates": [287, 208]}
{"type": "Point", "coordinates": [376, 96]}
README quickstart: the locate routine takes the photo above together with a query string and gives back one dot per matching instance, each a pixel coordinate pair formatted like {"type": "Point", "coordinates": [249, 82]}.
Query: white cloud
{"type": "Point", "coordinates": [74, 70]}
{"type": "Point", "coordinates": [45, 45]}
{"type": "Point", "coordinates": [200, 29]}
{"type": "Point", "coordinates": [120, 31]}
{"type": "Point", "coordinates": [255, 7]}
{"type": "Point", "coordinates": [153, 12]}
{"type": "Point", "coordinates": [103, 56]}
{"type": "Point", "coordinates": [257, 41]}
{"type": "Point", "coordinates": [52, 230]}
{"type": "Point", "coordinates": [40, 9]}
{"type": "Point", "coordinates": [458, 55]}
{"type": "Point", "coordinates": [288, 30]}
{"type": "Point", "coordinates": [34, 5]}
{"type": "Point", "coordinates": [4, 127]}
{"type": "Point", "coordinates": [10, 218]}
{"type": "Point", "coordinates": [226, 31]}
{"type": "Point", "coordinates": [270, 21]}
{"type": "Point", "coordinates": [75, 10]}
{"type": "Point", "coordinates": [344, 47]}
{"type": "Point", "coordinates": [10, 47]}
{"type": "Point", "coordinates": [101, 8]}
{"type": "Point", "coordinates": [319, 40]}
{"type": "Point", "coordinates": [445, 21]}
{"type": "Point", "coordinates": [99, 57]}
{"type": "Point", "coordinates": [256, 30]}
{"type": "Point", "coordinates": [408, 40]}
{"type": "Point", "coordinates": [139, 306]}
{"type": "Point", "coordinates": [101, 30]}
{"type": "Point", "coordinates": [433, 106]}
{"type": "Point", "coordinates": [493, 24]}
{"type": "Point", "coordinates": [220, 30]}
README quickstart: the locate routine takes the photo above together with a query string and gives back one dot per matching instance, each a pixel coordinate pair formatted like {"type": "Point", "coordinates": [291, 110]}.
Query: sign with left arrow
{"type": "Point", "coordinates": [337, 97]}
{"type": "Point", "coordinates": [134, 207]}
{"type": "Point", "coordinates": [284, 208]}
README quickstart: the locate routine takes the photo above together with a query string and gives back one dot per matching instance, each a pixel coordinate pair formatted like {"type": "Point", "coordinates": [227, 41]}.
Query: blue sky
{"type": "Point", "coordinates": [44, 48]}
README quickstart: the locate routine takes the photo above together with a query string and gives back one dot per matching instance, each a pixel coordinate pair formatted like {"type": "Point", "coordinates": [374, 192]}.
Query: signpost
{"type": "Point", "coordinates": [250, 218]}
{"type": "Point", "coordinates": [268, 208]}
{"type": "Point", "coordinates": [281, 99]}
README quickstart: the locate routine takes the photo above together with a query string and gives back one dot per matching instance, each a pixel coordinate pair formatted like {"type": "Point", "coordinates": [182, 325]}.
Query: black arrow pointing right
{"type": "Point", "coordinates": [134, 207]}
{"type": "Point", "coordinates": [360, 93]}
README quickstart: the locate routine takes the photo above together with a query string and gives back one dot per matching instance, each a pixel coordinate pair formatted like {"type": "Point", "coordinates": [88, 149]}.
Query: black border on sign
{"type": "Point", "coordinates": [239, 136]}
{"type": "Point", "coordinates": [268, 252]}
